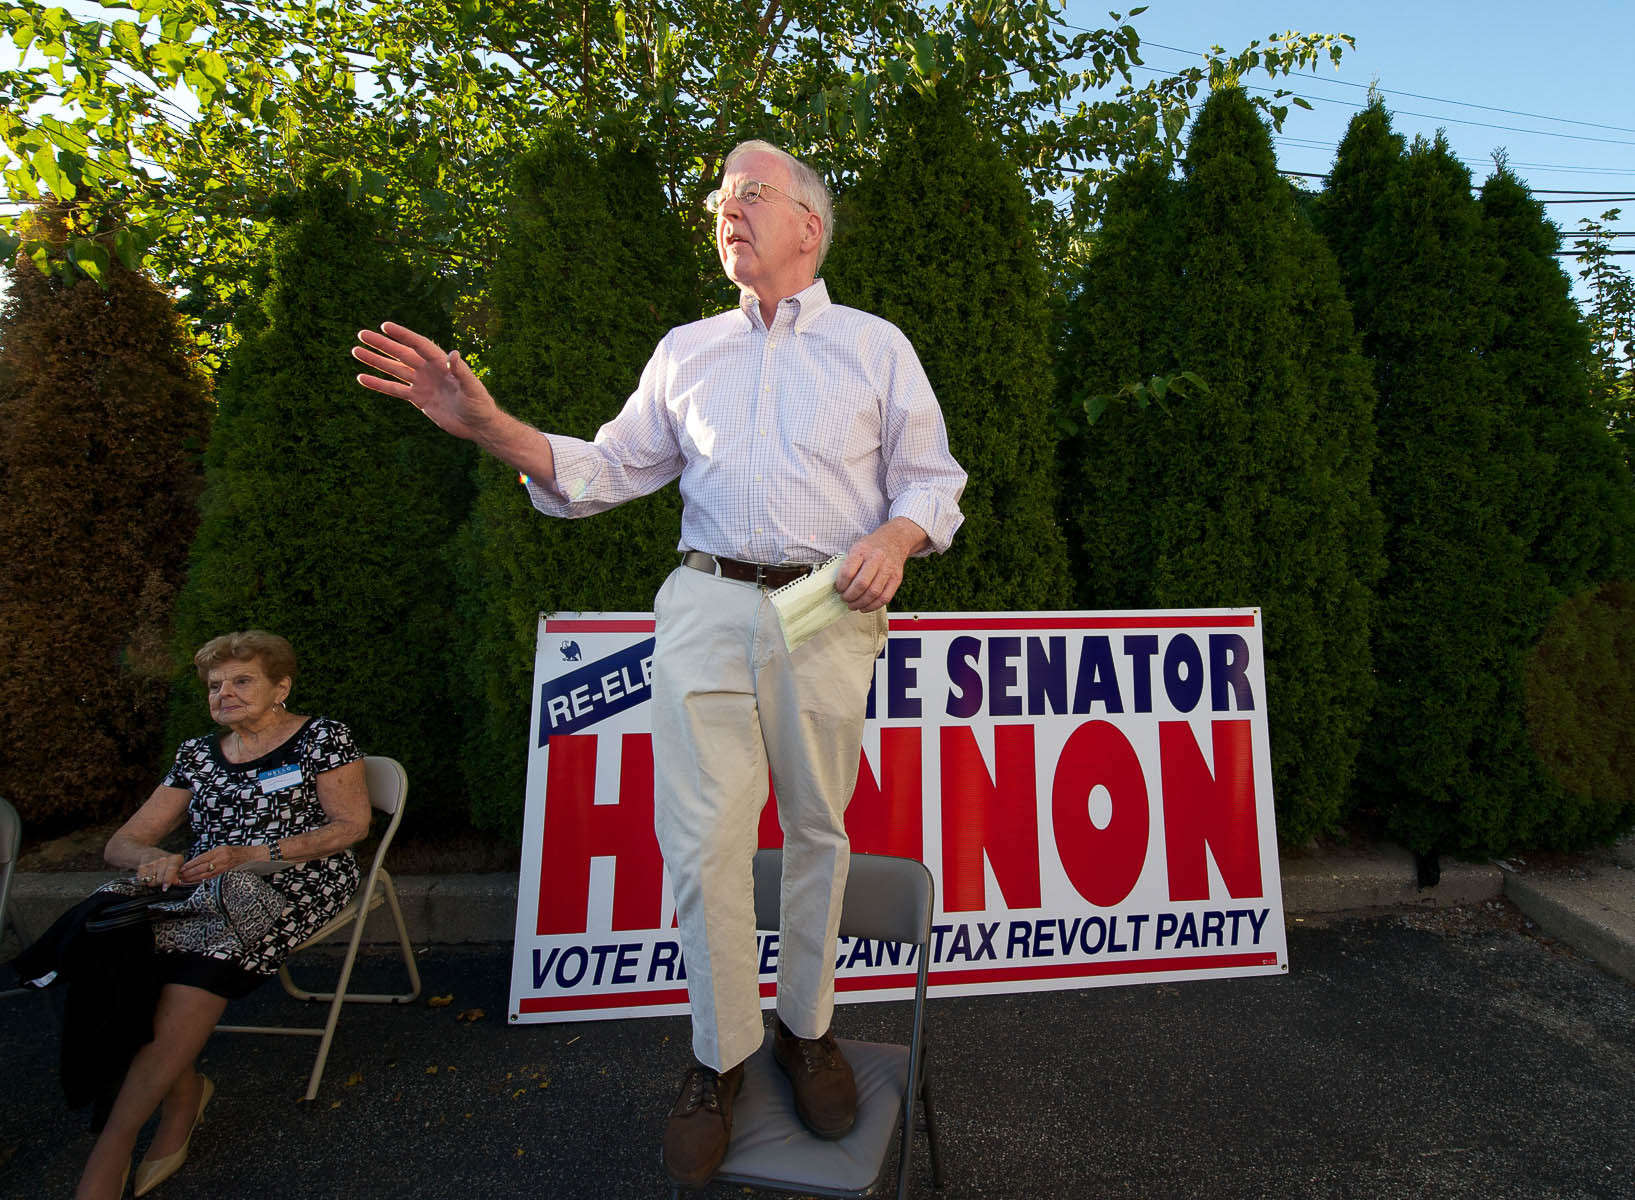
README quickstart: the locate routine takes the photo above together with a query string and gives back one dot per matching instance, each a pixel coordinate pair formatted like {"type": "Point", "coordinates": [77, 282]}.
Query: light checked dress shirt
{"type": "Point", "coordinates": [791, 443]}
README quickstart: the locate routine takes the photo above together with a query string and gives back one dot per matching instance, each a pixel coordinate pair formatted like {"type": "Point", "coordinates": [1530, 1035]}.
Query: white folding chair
{"type": "Point", "coordinates": [11, 837]}
{"type": "Point", "coordinates": [388, 784]}
{"type": "Point", "coordinates": [887, 899]}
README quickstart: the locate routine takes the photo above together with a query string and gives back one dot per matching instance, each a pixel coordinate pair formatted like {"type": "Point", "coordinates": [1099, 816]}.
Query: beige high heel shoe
{"type": "Point", "coordinates": [151, 1172]}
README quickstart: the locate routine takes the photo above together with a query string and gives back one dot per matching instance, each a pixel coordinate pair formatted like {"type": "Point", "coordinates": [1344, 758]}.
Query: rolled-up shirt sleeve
{"type": "Point", "coordinates": [633, 454]}
{"type": "Point", "coordinates": [923, 482]}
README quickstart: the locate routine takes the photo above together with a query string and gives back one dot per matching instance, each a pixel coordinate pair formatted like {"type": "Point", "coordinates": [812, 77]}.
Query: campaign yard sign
{"type": "Point", "coordinates": [1091, 791]}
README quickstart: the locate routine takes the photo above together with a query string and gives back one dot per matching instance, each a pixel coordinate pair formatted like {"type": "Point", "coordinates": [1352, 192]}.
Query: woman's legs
{"type": "Point", "coordinates": [162, 1071]}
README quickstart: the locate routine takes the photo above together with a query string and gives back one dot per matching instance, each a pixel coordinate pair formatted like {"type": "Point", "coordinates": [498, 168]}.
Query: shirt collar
{"type": "Point", "coordinates": [807, 303]}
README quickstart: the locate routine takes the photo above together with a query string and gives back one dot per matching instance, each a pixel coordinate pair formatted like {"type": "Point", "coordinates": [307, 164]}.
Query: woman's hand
{"type": "Point", "coordinates": [135, 846]}
{"type": "Point", "coordinates": [218, 861]}
{"type": "Point", "coordinates": [159, 869]}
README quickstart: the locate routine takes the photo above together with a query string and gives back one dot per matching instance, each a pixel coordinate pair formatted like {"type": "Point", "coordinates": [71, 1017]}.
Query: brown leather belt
{"type": "Point", "coordinates": [760, 574]}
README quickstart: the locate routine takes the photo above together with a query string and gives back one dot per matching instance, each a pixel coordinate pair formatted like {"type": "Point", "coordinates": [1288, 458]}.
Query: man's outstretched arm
{"type": "Point", "coordinates": [444, 388]}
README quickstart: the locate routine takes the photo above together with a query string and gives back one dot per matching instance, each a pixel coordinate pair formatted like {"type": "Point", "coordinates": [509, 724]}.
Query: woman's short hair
{"type": "Point", "coordinates": [275, 654]}
{"type": "Point", "coordinates": [805, 185]}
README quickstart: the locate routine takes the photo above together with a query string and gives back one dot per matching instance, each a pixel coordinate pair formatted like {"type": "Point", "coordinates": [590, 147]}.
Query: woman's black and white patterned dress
{"type": "Point", "coordinates": [272, 797]}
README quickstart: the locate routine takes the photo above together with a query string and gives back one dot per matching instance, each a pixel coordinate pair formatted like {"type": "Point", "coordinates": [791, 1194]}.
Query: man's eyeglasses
{"type": "Point", "coordinates": [747, 191]}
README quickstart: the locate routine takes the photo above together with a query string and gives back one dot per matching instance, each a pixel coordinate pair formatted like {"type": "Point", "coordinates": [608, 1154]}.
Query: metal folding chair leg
{"type": "Point", "coordinates": [938, 1179]}
{"type": "Point", "coordinates": [387, 786]}
{"type": "Point", "coordinates": [409, 965]}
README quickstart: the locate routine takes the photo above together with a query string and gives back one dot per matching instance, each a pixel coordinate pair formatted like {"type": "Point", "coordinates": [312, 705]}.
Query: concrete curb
{"type": "Point", "coordinates": [1380, 877]}
{"type": "Point", "coordinates": [1591, 910]}
{"type": "Point", "coordinates": [458, 909]}
{"type": "Point", "coordinates": [440, 910]}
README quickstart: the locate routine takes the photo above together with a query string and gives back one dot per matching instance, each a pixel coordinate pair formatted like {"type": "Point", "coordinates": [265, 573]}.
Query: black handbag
{"type": "Point", "coordinates": [229, 913]}
{"type": "Point", "coordinates": [137, 910]}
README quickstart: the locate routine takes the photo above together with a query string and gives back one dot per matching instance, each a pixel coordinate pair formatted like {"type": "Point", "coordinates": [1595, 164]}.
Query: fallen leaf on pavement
{"type": "Point", "coordinates": [440, 1001]}
{"type": "Point", "coordinates": [469, 1014]}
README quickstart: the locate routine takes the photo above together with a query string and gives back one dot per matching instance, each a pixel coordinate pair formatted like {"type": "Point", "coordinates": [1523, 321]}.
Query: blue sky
{"type": "Point", "coordinates": [1561, 63]}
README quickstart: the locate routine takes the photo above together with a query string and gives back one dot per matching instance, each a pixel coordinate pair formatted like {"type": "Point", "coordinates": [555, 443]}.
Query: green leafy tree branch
{"type": "Point", "coordinates": [195, 114]}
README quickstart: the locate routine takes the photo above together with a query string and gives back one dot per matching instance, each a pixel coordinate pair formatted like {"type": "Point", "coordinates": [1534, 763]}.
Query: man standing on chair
{"type": "Point", "coordinates": [800, 430]}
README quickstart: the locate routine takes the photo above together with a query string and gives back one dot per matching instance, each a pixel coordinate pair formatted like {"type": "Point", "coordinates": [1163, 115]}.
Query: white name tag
{"type": "Point", "coordinates": [274, 778]}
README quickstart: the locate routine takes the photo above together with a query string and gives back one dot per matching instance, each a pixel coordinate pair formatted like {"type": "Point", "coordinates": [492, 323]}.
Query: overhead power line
{"type": "Point", "coordinates": [1513, 112]}
{"type": "Point", "coordinates": [1577, 137]}
{"type": "Point", "coordinates": [1441, 119]}
{"type": "Point", "coordinates": [1482, 164]}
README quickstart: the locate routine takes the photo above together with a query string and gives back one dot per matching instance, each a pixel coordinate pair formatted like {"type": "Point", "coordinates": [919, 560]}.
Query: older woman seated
{"type": "Point", "coordinates": [274, 788]}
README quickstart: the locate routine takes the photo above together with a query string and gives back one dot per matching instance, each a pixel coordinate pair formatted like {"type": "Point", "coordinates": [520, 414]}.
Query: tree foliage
{"type": "Point", "coordinates": [1256, 492]}
{"type": "Point", "coordinates": [935, 239]}
{"type": "Point", "coordinates": [1574, 509]}
{"type": "Point", "coordinates": [103, 413]}
{"type": "Point", "coordinates": [1473, 376]}
{"type": "Point", "coordinates": [326, 509]}
{"type": "Point", "coordinates": [1610, 316]}
{"type": "Point", "coordinates": [195, 114]}
{"type": "Point", "coordinates": [1578, 508]}
{"type": "Point", "coordinates": [596, 270]}
{"type": "Point", "coordinates": [1581, 712]}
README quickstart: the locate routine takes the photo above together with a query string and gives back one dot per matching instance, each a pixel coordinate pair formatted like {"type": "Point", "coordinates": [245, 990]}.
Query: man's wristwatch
{"type": "Point", "coordinates": [273, 852]}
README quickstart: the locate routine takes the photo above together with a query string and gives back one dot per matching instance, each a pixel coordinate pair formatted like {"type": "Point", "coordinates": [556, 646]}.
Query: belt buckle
{"type": "Point", "coordinates": [760, 575]}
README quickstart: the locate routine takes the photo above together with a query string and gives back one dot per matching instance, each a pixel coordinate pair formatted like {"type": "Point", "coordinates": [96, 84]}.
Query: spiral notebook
{"type": "Point", "coordinates": [809, 605]}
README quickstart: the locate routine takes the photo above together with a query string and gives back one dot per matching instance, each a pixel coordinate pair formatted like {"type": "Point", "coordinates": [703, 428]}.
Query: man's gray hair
{"type": "Point", "coordinates": [805, 185]}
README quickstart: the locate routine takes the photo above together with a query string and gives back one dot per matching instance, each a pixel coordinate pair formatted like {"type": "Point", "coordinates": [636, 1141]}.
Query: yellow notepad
{"type": "Point", "coordinates": [809, 605]}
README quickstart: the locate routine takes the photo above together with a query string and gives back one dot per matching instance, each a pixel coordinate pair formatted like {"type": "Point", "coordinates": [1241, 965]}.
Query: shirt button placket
{"type": "Point", "coordinates": [768, 415]}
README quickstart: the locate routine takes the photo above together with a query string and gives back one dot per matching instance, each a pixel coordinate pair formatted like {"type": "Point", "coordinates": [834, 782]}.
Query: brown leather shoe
{"type": "Point", "coordinates": [825, 1091]}
{"type": "Point", "coordinates": [700, 1124]}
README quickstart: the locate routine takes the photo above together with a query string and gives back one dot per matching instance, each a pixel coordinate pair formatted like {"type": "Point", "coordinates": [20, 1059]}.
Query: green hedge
{"type": "Point", "coordinates": [935, 238]}
{"type": "Point", "coordinates": [1468, 409]}
{"type": "Point", "coordinates": [595, 270]}
{"type": "Point", "coordinates": [103, 412]}
{"type": "Point", "coordinates": [328, 508]}
{"type": "Point", "coordinates": [1254, 493]}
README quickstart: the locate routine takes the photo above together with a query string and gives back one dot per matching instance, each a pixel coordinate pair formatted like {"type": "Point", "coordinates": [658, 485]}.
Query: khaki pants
{"type": "Point", "coordinates": [729, 702]}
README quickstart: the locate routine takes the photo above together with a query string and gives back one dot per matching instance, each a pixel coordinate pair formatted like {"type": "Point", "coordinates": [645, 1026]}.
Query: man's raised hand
{"type": "Point", "coordinates": [440, 385]}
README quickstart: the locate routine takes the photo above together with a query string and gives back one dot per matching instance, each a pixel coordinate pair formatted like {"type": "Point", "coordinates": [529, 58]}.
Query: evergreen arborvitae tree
{"type": "Point", "coordinates": [1255, 493]}
{"type": "Point", "coordinates": [103, 414]}
{"type": "Point", "coordinates": [1349, 209]}
{"type": "Point", "coordinates": [1447, 761]}
{"type": "Point", "coordinates": [1580, 507]}
{"type": "Point", "coordinates": [328, 509]}
{"type": "Point", "coordinates": [1573, 505]}
{"type": "Point", "coordinates": [1120, 325]}
{"type": "Point", "coordinates": [596, 270]}
{"type": "Point", "coordinates": [936, 240]}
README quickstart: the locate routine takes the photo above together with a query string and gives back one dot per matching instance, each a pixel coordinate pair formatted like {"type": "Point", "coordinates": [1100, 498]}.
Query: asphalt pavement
{"type": "Point", "coordinates": [1446, 1051]}
{"type": "Point", "coordinates": [1475, 1039]}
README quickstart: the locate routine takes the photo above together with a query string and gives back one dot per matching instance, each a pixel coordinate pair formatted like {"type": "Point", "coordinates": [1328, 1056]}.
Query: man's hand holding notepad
{"type": "Point", "coordinates": [809, 605]}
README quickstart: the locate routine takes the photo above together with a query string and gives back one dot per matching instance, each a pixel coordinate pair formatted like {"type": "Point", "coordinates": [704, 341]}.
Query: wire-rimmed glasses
{"type": "Point", "coordinates": [747, 191]}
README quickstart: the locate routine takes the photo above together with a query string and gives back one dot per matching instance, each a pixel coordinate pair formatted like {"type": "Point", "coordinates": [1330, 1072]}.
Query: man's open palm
{"type": "Point", "coordinates": [440, 385]}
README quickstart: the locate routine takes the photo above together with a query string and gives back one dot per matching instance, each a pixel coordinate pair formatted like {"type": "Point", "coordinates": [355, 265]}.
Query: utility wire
{"type": "Point", "coordinates": [1421, 96]}
{"type": "Point", "coordinates": [1578, 137]}
{"type": "Point", "coordinates": [1439, 118]}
